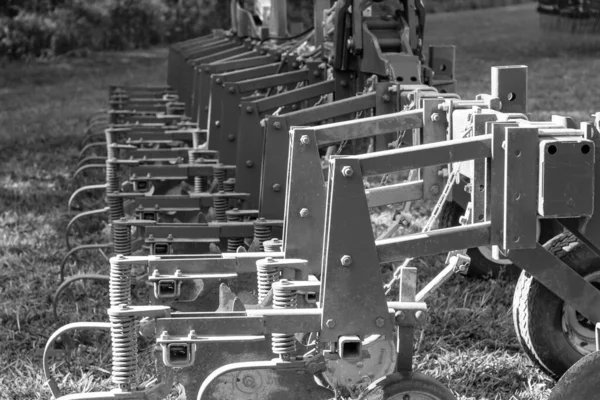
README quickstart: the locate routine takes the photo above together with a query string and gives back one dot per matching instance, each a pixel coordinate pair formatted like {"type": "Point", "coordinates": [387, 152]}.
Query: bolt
{"type": "Point", "coordinates": [419, 315]}
{"type": "Point", "coordinates": [386, 97]}
{"type": "Point", "coordinates": [219, 81]}
{"type": "Point", "coordinates": [277, 125]}
{"type": "Point", "coordinates": [294, 107]}
{"type": "Point", "coordinates": [305, 140]}
{"type": "Point", "coordinates": [249, 110]}
{"type": "Point", "coordinates": [231, 137]}
{"type": "Point", "coordinates": [347, 171]}
{"type": "Point", "coordinates": [406, 397]}
{"type": "Point", "coordinates": [316, 72]}
{"type": "Point", "coordinates": [304, 213]}
{"type": "Point", "coordinates": [155, 273]}
{"type": "Point", "coordinates": [435, 117]}
{"type": "Point", "coordinates": [400, 315]}
{"type": "Point", "coordinates": [192, 334]}
{"type": "Point", "coordinates": [276, 187]}
{"type": "Point", "coordinates": [177, 272]}
{"type": "Point", "coordinates": [435, 189]}
{"type": "Point", "coordinates": [359, 364]}
{"type": "Point", "coordinates": [284, 282]}
{"type": "Point", "coordinates": [249, 163]}
{"type": "Point", "coordinates": [344, 83]}
{"type": "Point", "coordinates": [123, 307]}
{"type": "Point", "coordinates": [346, 260]}
{"type": "Point", "coordinates": [217, 123]}
{"type": "Point", "coordinates": [330, 323]}
{"type": "Point", "coordinates": [231, 89]}
{"type": "Point", "coordinates": [150, 237]}
{"type": "Point", "coordinates": [169, 236]}
{"type": "Point", "coordinates": [379, 322]}
{"type": "Point", "coordinates": [270, 259]}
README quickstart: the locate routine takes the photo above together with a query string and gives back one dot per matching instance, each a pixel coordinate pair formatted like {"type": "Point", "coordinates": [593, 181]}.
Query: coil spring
{"type": "Point", "coordinates": [123, 332]}
{"type": "Point", "coordinates": [221, 204]}
{"type": "Point", "coordinates": [229, 185]}
{"type": "Point", "coordinates": [273, 245]}
{"type": "Point", "coordinates": [281, 343]}
{"type": "Point", "coordinates": [198, 188]}
{"type": "Point", "coordinates": [202, 183]}
{"type": "Point", "coordinates": [220, 176]}
{"type": "Point", "coordinates": [234, 243]}
{"type": "Point", "coordinates": [119, 288]}
{"type": "Point", "coordinates": [266, 274]}
{"type": "Point", "coordinates": [262, 233]}
{"type": "Point", "coordinates": [121, 239]}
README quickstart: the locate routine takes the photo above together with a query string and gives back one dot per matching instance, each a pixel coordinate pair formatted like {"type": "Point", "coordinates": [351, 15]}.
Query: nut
{"type": "Point", "coordinates": [346, 261]}
{"type": "Point", "coordinates": [347, 171]}
{"type": "Point", "coordinates": [276, 187]}
{"type": "Point", "coordinates": [277, 125]}
{"type": "Point", "coordinates": [435, 117]}
{"type": "Point", "coordinates": [330, 323]}
{"type": "Point", "coordinates": [435, 189]}
{"type": "Point", "coordinates": [249, 110]}
{"type": "Point", "coordinates": [386, 97]}
{"type": "Point", "coordinates": [304, 213]}
{"type": "Point", "coordinates": [379, 322]}
{"type": "Point", "coordinates": [305, 140]}
{"type": "Point", "coordinates": [419, 315]}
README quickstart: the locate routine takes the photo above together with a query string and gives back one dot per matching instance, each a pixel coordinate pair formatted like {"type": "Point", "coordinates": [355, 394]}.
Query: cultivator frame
{"type": "Point", "coordinates": [574, 16]}
{"type": "Point", "coordinates": [218, 319]}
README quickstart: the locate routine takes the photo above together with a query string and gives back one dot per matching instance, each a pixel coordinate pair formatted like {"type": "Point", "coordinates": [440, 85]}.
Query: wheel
{"type": "Point", "coordinates": [483, 265]}
{"type": "Point", "coordinates": [552, 334]}
{"type": "Point", "coordinates": [581, 381]}
{"type": "Point", "coordinates": [403, 386]}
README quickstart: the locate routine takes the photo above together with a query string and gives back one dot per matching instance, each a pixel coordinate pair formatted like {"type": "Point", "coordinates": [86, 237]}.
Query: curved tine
{"type": "Point", "coordinates": [86, 167]}
{"type": "Point", "coordinates": [89, 146]}
{"type": "Point", "coordinates": [78, 217]}
{"type": "Point", "coordinates": [81, 190]}
{"type": "Point", "coordinates": [92, 137]}
{"type": "Point", "coordinates": [78, 249]}
{"type": "Point", "coordinates": [69, 327]}
{"type": "Point", "coordinates": [92, 159]}
{"type": "Point", "coordinates": [67, 282]}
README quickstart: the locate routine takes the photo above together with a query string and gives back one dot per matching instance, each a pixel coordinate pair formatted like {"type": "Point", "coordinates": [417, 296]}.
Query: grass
{"type": "Point", "coordinates": [469, 344]}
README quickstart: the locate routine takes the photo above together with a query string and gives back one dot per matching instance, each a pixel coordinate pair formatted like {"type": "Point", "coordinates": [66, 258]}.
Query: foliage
{"type": "Point", "coordinates": [34, 28]}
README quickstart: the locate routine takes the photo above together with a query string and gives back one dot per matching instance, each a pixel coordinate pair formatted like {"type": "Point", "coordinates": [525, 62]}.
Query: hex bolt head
{"type": "Point", "coordinates": [249, 163]}
{"type": "Point", "coordinates": [304, 213]}
{"type": "Point", "coordinates": [379, 322]}
{"type": "Point", "coordinates": [169, 236]}
{"type": "Point", "coordinates": [231, 137]}
{"type": "Point", "coordinates": [294, 107]}
{"type": "Point", "coordinates": [276, 187]}
{"type": "Point", "coordinates": [347, 171]}
{"type": "Point", "coordinates": [330, 323]}
{"type": "Point", "coordinates": [217, 123]}
{"type": "Point", "coordinates": [231, 89]}
{"type": "Point", "coordinates": [359, 364]}
{"type": "Point", "coordinates": [219, 81]}
{"type": "Point", "coordinates": [435, 189]}
{"type": "Point", "coordinates": [305, 140]}
{"type": "Point", "coordinates": [435, 117]}
{"type": "Point", "coordinates": [386, 97]}
{"type": "Point", "coordinates": [346, 260]}
{"type": "Point", "coordinates": [277, 125]}
{"type": "Point", "coordinates": [249, 110]}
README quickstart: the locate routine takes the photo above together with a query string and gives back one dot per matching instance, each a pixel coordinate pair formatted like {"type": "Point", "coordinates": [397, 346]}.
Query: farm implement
{"type": "Point", "coordinates": [244, 193]}
{"type": "Point", "coordinates": [574, 16]}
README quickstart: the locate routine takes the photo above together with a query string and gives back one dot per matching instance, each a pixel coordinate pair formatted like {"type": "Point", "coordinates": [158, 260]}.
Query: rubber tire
{"type": "Point", "coordinates": [393, 385]}
{"type": "Point", "coordinates": [581, 381]}
{"type": "Point", "coordinates": [537, 312]}
{"type": "Point", "coordinates": [480, 267]}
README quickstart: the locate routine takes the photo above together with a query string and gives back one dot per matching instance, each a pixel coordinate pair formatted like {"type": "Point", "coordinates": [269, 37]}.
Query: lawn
{"type": "Point", "coordinates": [469, 344]}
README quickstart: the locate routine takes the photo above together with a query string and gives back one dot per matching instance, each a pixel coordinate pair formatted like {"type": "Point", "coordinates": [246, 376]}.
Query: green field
{"type": "Point", "coordinates": [469, 344]}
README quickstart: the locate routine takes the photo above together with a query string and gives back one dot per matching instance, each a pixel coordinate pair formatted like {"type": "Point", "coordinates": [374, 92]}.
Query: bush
{"type": "Point", "coordinates": [26, 35]}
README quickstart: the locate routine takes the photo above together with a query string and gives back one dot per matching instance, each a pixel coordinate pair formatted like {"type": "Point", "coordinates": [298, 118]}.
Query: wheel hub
{"type": "Point", "coordinates": [578, 330]}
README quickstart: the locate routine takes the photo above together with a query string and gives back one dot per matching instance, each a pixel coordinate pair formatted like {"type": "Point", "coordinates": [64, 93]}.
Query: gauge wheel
{"type": "Point", "coordinates": [552, 334]}
{"type": "Point", "coordinates": [581, 381]}
{"type": "Point", "coordinates": [483, 265]}
{"type": "Point", "coordinates": [403, 386]}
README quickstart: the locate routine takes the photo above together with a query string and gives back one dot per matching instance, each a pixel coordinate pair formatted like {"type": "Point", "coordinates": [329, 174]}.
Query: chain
{"type": "Point", "coordinates": [452, 178]}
